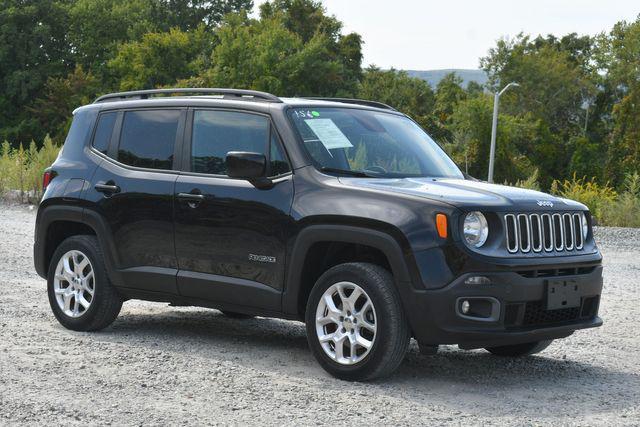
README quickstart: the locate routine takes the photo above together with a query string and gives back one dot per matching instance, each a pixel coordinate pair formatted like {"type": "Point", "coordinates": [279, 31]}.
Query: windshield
{"type": "Point", "coordinates": [370, 143]}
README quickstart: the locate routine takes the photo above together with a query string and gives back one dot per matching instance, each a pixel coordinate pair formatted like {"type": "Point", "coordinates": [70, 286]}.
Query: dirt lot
{"type": "Point", "coordinates": [164, 365]}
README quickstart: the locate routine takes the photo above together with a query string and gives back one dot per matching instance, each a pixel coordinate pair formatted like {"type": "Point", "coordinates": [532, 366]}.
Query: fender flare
{"type": "Point", "coordinates": [312, 234]}
{"type": "Point", "coordinates": [91, 219]}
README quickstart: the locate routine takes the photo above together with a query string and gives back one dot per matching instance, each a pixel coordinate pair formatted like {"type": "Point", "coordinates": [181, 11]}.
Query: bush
{"type": "Point", "coordinates": [530, 183]}
{"type": "Point", "coordinates": [22, 169]}
{"type": "Point", "coordinates": [625, 211]}
{"type": "Point", "coordinates": [590, 193]}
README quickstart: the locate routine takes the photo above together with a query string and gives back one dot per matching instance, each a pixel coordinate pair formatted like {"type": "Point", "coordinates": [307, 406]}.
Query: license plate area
{"type": "Point", "coordinates": [563, 294]}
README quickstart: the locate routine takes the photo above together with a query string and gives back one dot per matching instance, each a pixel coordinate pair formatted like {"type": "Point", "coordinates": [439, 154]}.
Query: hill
{"type": "Point", "coordinates": [434, 76]}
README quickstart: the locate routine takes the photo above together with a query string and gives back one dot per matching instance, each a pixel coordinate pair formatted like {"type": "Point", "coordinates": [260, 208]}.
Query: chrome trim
{"type": "Point", "coordinates": [578, 232]}
{"type": "Point", "coordinates": [524, 217]}
{"type": "Point", "coordinates": [546, 232]}
{"type": "Point", "coordinates": [561, 228]}
{"type": "Point", "coordinates": [512, 218]}
{"type": "Point", "coordinates": [547, 218]}
{"type": "Point", "coordinates": [539, 234]}
{"type": "Point", "coordinates": [566, 235]}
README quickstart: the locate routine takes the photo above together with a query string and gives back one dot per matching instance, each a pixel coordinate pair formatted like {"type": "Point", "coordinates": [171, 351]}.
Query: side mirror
{"type": "Point", "coordinates": [246, 165]}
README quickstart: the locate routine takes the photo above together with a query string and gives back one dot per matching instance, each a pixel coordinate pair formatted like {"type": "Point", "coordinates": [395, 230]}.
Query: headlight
{"type": "Point", "coordinates": [585, 227]}
{"type": "Point", "coordinates": [476, 229]}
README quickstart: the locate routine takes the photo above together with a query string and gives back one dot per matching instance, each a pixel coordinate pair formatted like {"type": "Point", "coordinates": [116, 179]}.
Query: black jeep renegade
{"type": "Point", "coordinates": [342, 213]}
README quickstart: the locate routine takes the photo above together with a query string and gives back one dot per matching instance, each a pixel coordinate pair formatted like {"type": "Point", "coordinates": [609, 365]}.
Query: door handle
{"type": "Point", "coordinates": [107, 188]}
{"type": "Point", "coordinates": [192, 199]}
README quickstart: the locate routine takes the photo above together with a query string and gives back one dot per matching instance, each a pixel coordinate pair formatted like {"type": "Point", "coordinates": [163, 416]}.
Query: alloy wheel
{"type": "Point", "coordinates": [346, 323]}
{"type": "Point", "coordinates": [74, 283]}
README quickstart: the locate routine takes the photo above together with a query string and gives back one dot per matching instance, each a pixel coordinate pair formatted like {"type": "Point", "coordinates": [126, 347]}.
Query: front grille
{"type": "Point", "coordinates": [540, 233]}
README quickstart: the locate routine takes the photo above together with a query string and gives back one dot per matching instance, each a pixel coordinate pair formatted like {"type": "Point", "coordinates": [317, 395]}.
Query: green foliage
{"type": "Point", "coordinates": [61, 96]}
{"type": "Point", "coordinates": [530, 183]}
{"type": "Point", "coordinates": [588, 192]}
{"type": "Point", "coordinates": [143, 64]}
{"type": "Point", "coordinates": [625, 212]}
{"type": "Point", "coordinates": [265, 55]}
{"type": "Point", "coordinates": [22, 169]}
{"type": "Point", "coordinates": [412, 96]}
{"type": "Point", "coordinates": [33, 46]}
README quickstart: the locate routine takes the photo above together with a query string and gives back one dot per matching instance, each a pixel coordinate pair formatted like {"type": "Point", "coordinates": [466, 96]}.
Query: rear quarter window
{"type": "Point", "coordinates": [104, 129]}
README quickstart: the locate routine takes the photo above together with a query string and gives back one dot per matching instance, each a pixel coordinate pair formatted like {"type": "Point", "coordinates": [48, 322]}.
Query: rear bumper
{"type": "Point", "coordinates": [518, 311]}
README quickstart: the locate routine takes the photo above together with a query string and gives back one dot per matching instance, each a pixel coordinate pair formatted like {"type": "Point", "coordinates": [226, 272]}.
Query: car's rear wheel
{"type": "Point", "coordinates": [518, 350]}
{"type": "Point", "coordinates": [80, 294]}
{"type": "Point", "coordinates": [356, 326]}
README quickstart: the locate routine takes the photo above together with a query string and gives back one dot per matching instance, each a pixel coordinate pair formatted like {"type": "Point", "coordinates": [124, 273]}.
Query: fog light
{"type": "Point", "coordinates": [477, 280]}
{"type": "Point", "coordinates": [465, 306]}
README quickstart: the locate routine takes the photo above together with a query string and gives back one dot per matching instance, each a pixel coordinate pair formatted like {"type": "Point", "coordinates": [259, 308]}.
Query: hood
{"type": "Point", "coordinates": [467, 194]}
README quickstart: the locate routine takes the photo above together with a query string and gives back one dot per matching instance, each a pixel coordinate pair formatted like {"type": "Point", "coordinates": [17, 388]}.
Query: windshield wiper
{"type": "Point", "coordinates": [347, 172]}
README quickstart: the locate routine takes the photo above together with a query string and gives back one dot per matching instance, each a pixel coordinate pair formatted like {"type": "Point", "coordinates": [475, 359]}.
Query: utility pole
{"type": "Point", "coordinates": [494, 128]}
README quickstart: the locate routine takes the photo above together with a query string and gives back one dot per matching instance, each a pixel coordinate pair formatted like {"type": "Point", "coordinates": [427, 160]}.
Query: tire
{"type": "Point", "coordinates": [519, 350]}
{"type": "Point", "coordinates": [105, 303]}
{"type": "Point", "coordinates": [387, 345]}
{"type": "Point", "coordinates": [236, 315]}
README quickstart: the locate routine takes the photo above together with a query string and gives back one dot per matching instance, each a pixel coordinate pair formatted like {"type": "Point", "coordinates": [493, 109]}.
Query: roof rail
{"type": "Point", "coordinates": [365, 102]}
{"type": "Point", "coordinates": [231, 93]}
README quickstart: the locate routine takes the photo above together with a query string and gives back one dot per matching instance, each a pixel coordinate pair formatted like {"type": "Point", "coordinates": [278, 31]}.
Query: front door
{"type": "Point", "coordinates": [230, 235]}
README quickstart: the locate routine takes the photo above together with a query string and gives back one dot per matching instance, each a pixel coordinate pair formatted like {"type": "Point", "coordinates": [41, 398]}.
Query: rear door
{"type": "Point", "coordinates": [231, 236]}
{"type": "Point", "coordinates": [132, 190]}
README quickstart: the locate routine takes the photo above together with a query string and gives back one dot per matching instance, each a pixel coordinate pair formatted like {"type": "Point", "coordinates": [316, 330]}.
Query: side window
{"type": "Point", "coordinates": [148, 137]}
{"type": "Point", "coordinates": [279, 164]}
{"type": "Point", "coordinates": [215, 133]}
{"type": "Point", "coordinates": [102, 137]}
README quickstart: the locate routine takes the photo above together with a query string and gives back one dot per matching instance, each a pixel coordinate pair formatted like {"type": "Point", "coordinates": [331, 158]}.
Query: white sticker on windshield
{"type": "Point", "coordinates": [328, 133]}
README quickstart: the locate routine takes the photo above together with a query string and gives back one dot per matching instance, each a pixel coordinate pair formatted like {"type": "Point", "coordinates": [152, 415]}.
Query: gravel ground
{"type": "Point", "coordinates": [164, 365]}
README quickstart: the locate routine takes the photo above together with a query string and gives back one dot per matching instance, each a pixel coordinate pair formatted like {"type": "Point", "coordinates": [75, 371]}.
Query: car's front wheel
{"type": "Point", "coordinates": [356, 326]}
{"type": "Point", "coordinates": [80, 294]}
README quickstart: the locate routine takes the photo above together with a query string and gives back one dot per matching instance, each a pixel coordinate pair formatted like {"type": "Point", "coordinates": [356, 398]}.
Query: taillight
{"type": "Point", "coordinates": [46, 179]}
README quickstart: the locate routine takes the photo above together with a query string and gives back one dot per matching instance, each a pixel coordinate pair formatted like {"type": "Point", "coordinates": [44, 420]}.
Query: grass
{"type": "Point", "coordinates": [21, 169]}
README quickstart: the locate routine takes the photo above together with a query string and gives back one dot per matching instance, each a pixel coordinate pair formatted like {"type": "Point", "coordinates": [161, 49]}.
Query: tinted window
{"type": "Point", "coordinates": [102, 137]}
{"type": "Point", "coordinates": [215, 133]}
{"type": "Point", "coordinates": [148, 138]}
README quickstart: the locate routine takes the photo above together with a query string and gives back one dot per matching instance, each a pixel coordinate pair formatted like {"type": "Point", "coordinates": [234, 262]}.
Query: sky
{"type": "Point", "coordinates": [428, 35]}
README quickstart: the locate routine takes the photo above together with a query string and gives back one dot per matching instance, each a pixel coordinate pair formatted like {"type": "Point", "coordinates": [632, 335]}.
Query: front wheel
{"type": "Point", "coordinates": [518, 350]}
{"type": "Point", "coordinates": [356, 326]}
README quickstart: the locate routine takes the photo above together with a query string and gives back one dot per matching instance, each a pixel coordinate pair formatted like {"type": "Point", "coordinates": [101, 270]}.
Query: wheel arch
{"type": "Point", "coordinates": [377, 243]}
{"type": "Point", "coordinates": [56, 223]}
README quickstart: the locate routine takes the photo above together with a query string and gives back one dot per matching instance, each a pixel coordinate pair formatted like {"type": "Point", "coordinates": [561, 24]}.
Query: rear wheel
{"type": "Point", "coordinates": [80, 294]}
{"type": "Point", "coordinates": [518, 350]}
{"type": "Point", "coordinates": [356, 326]}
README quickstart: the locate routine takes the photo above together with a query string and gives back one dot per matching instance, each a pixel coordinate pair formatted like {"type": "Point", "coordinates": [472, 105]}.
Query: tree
{"type": "Point", "coordinates": [471, 126]}
{"type": "Point", "coordinates": [190, 14]}
{"type": "Point", "coordinates": [623, 72]}
{"type": "Point", "coordinates": [449, 93]}
{"type": "Point", "coordinates": [33, 46]}
{"type": "Point", "coordinates": [143, 64]}
{"type": "Point", "coordinates": [412, 96]}
{"type": "Point", "coordinates": [264, 55]}
{"type": "Point", "coordinates": [98, 26]}
{"type": "Point", "coordinates": [61, 96]}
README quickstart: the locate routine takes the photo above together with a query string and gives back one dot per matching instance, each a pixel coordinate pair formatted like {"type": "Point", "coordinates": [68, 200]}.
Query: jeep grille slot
{"type": "Point", "coordinates": [546, 232]}
{"type": "Point", "coordinates": [511, 230]}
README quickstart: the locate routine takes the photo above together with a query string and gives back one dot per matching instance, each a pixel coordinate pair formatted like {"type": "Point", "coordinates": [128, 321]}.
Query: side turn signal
{"type": "Point", "coordinates": [441, 225]}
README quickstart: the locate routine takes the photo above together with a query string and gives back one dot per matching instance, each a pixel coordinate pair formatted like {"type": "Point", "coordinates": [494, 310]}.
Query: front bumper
{"type": "Point", "coordinates": [519, 312]}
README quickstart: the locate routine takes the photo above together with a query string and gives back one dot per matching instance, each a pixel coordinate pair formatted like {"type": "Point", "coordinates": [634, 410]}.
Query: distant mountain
{"type": "Point", "coordinates": [434, 76]}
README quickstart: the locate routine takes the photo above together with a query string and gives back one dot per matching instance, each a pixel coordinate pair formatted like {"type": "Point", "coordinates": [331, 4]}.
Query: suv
{"type": "Point", "coordinates": [340, 213]}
